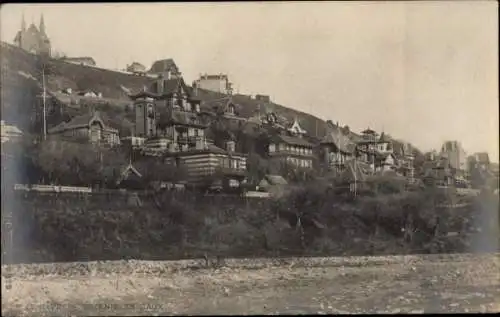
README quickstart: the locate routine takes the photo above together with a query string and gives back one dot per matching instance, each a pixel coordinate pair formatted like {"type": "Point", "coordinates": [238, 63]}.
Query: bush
{"type": "Point", "coordinates": [101, 227]}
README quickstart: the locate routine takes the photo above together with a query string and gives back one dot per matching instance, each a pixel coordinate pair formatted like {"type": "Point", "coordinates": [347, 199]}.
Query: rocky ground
{"type": "Point", "coordinates": [411, 284]}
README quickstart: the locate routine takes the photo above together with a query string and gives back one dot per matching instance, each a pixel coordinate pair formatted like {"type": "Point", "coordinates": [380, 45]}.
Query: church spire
{"type": "Point", "coordinates": [42, 25]}
{"type": "Point", "coordinates": [23, 23]}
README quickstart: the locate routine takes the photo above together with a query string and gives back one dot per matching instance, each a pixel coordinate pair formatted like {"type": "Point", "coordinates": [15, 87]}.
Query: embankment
{"type": "Point", "coordinates": [81, 227]}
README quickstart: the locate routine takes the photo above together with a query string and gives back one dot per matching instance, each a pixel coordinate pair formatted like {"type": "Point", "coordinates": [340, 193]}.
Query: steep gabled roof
{"type": "Point", "coordinates": [335, 136]}
{"type": "Point", "coordinates": [221, 104]}
{"type": "Point", "coordinates": [292, 140]}
{"type": "Point", "coordinates": [163, 65]}
{"type": "Point", "coordinates": [295, 127]}
{"type": "Point", "coordinates": [142, 94]}
{"type": "Point", "coordinates": [369, 132]}
{"type": "Point", "coordinates": [119, 172]}
{"type": "Point", "coordinates": [381, 157]}
{"type": "Point", "coordinates": [81, 121]}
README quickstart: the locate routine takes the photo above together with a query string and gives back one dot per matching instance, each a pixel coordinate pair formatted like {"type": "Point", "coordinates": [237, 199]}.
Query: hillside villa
{"type": "Point", "coordinates": [288, 145]}
{"type": "Point", "coordinates": [337, 148]}
{"type": "Point", "coordinates": [166, 68]}
{"type": "Point", "coordinates": [136, 67]}
{"type": "Point", "coordinates": [89, 127]}
{"type": "Point", "coordinates": [168, 116]}
{"type": "Point", "coordinates": [453, 151]}
{"type": "Point", "coordinates": [217, 83]}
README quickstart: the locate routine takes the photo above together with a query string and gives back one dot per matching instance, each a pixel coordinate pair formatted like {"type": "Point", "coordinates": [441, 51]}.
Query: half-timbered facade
{"type": "Point", "coordinates": [168, 115]}
{"type": "Point", "coordinates": [290, 146]}
{"type": "Point", "coordinates": [337, 148]}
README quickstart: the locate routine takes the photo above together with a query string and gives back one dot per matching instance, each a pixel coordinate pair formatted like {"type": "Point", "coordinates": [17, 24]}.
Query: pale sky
{"type": "Point", "coordinates": [424, 72]}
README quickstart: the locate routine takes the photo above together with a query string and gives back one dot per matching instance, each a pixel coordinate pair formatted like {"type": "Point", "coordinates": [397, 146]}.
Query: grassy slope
{"type": "Point", "coordinates": [16, 106]}
{"type": "Point", "coordinates": [107, 82]}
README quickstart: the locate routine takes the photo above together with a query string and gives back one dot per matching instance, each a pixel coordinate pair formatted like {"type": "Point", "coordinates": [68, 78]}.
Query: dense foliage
{"type": "Point", "coordinates": [308, 220]}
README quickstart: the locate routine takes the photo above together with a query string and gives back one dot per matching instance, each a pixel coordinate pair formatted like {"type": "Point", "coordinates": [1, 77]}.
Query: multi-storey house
{"type": "Point", "coordinates": [217, 83]}
{"type": "Point", "coordinates": [337, 148]}
{"type": "Point", "coordinates": [453, 151]}
{"type": "Point", "coordinates": [480, 160]}
{"type": "Point", "coordinates": [166, 68]}
{"type": "Point", "coordinates": [366, 148]}
{"type": "Point", "coordinates": [385, 160]}
{"type": "Point", "coordinates": [136, 67]}
{"type": "Point", "coordinates": [405, 158]}
{"type": "Point", "coordinates": [439, 172]}
{"type": "Point", "coordinates": [288, 144]}
{"type": "Point", "coordinates": [168, 115]}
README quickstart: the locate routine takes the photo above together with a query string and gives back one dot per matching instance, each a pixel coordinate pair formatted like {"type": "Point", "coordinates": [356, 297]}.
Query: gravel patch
{"type": "Point", "coordinates": [416, 284]}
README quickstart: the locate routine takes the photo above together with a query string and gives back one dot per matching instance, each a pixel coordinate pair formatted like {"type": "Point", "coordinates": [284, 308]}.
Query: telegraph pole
{"type": "Point", "coordinates": [44, 107]}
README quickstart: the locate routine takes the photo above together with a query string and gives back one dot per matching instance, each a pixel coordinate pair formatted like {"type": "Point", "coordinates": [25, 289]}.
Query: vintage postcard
{"type": "Point", "coordinates": [250, 158]}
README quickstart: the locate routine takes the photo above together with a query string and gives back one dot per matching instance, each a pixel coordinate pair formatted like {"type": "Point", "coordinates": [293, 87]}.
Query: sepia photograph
{"type": "Point", "coordinates": [246, 158]}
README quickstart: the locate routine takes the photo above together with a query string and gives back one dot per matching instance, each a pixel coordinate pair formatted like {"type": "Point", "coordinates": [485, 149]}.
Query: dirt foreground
{"type": "Point", "coordinates": [399, 284]}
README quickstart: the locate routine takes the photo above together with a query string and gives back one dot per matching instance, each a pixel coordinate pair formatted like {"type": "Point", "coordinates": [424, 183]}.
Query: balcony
{"type": "Point", "coordinates": [188, 139]}
{"type": "Point", "coordinates": [291, 153]}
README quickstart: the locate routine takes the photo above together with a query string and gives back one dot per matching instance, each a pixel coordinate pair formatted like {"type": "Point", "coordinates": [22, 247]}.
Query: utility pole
{"type": "Point", "coordinates": [44, 107]}
{"type": "Point", "coordinates": [355, 177]}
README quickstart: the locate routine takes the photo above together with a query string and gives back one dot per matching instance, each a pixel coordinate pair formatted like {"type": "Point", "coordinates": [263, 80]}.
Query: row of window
{"type": "Point", "coordinates": [232, 163]}
{"type": "Point", "coordinates": [300, 162]}
{"type": "Point", "coordinates": [290, 148]}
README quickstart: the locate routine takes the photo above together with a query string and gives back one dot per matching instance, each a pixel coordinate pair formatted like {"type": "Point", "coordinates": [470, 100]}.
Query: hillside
{"type": "Point", "coordinates": [112, 85]}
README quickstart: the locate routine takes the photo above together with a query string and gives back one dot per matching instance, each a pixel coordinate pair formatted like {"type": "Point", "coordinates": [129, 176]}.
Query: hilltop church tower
{"type": "Point", "coordinates": [33, 39]}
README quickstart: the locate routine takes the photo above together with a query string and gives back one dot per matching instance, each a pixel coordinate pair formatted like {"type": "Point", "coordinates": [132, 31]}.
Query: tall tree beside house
{"type": "Point", "coordinates": [52, 161]}
{"type": "Point", "coordinates": [72, 163]}
{"type": "Point", "coordinates": [293, 173]}
{"type": "Point", "coordinates": [219, 129]}
{"type": "Point", "coordinates": [257, 168]}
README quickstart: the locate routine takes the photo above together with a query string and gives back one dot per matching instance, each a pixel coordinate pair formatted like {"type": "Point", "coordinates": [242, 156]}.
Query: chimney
{"type": "Point", "coordinates": [230, 146]}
